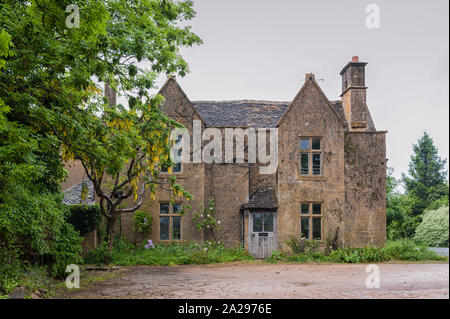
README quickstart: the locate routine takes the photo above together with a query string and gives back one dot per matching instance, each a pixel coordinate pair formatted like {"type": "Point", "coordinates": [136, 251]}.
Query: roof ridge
{"type": "Point", "coordinates": [242, 101]}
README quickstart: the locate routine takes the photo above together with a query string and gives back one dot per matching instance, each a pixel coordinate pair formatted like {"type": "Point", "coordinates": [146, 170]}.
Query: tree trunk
{"type": "Point", "coordinates": [110, 225]}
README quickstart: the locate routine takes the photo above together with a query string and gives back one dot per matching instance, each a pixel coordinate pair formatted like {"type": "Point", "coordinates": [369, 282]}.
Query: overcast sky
{"type": "Point", "coordinates": [261, 49]}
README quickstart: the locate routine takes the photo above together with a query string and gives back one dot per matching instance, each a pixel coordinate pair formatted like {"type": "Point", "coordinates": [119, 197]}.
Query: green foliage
{"type": "Point", "coordinates": [408, 250]}
{"type": "Point", "coordinates": [358, 255]}
{"type": "Point", "coordinates": [165, 254]}
{"type": "Point", "coordinates": [10, 272]}
{"type": "Point", "coordinates": [66, 250]}
{"type": "Point", "coordinates": [394, 250]}
{"type": "Point", "coordinates": [426, 182]}
{"type": "Point", "coordinates": [143, 222]}
{"type": "Point", "coordinates": [400, 223]}
{"type": "Point", "coordinates": [277, 255]}
{"type": "Point", "coordinates": [98, 256]}
{"type": "Point", "coordinates": [434, 229]}
{"type": "Point", "coordinates": [206, 220]}
{"type": "Point", "coordinates": [51, 92]}
{"type": "Point", "coordinates": [302, 245]}
{"type": "Point", "coordinates": [84, 218]}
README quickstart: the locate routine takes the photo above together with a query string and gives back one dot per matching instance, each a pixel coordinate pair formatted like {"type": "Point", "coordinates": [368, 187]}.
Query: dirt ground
{"type": "Point", "coordinates": [263, 280]}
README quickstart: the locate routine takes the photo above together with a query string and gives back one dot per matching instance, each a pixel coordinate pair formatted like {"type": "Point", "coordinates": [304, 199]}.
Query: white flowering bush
{"type": "Point", "coordinates": [433, 231]}
{"type": "Point", "coordinates": [206, 220]}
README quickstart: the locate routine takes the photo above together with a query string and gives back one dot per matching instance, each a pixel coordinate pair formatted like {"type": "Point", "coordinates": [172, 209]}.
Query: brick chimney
{"type": "Point", "coordinates": [354, 94]}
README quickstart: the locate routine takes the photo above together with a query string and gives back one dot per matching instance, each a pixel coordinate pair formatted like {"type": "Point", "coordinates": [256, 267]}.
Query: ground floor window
{"type": "Point", "coordinates": [311, 216]}
{"type": "Point", "coordinates": [169, 221]}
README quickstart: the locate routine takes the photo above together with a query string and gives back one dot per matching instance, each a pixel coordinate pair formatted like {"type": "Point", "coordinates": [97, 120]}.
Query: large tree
{"type": "Point", "coordinates": [426, 182]}
{"type": "Point", "coordinates": [54, 85]}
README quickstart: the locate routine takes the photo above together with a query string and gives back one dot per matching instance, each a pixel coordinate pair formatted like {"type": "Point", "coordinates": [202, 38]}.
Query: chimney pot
{"type": "Point", "coordinates": [355, 58]}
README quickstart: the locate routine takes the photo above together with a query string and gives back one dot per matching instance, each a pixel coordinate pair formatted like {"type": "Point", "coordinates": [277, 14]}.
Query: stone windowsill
{"type": "Point", "coordinates": [311, 178]}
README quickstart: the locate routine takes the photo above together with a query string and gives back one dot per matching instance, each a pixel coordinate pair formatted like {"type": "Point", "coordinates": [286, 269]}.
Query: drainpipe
{"type": "Point", "coordinates": [242, 228]}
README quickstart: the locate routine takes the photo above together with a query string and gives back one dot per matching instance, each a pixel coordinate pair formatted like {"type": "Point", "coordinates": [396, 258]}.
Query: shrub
{"type": "Point", "coordinates": [367, 254]}
{"type": "Point", "coordinates": [302, 245]}
{"type": "Point", "coordinates": [10, 272]}
{"type": "Point", "coordinates": [143, 222]}
{"type": "Point", "coordinates": [66, 249]}
{"type": "Point", "coordinates": [394, 250]}
{"type": "Point", "coordinates": [99, 256]}
{"type": "Point", "coordinates": [434, 229]}
{"type": "Point", "coordinates": [85, 218]}
{"type": "Point", "coordinates": [33, 232]}
{"type": "Point", "coordinates": [277, 255]}
{"type": "Point", "coordinates": [408, 250]}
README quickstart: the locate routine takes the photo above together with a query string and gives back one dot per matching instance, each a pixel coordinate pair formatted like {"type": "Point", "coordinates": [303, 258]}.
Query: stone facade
{"type": "Point", "coordinates": [349, 190]}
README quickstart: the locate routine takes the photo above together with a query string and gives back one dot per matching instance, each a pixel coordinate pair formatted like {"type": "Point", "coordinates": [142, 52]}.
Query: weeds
{"type": "Point", "coordinates": [403, 250]}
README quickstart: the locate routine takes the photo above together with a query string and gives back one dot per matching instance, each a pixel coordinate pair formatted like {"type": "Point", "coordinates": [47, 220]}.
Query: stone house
{"type": "Point", "coordinates": [329, 183]}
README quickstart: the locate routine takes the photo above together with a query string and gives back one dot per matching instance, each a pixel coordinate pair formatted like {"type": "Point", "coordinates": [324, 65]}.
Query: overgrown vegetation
{"type": "Point", "coordinates": [426, 190]}
{"type": "Point", "coordinates": [84, 218]}
{"type": "Point", "coordinates": [52, 108]}
{"type": "Point", "coordinates": [166, 254]}
{"type": "Point", "coordinates": [206, 220]}
{"type": "Point", "coordinates": [434, 229]}
{"type": "Point", "coordinates": [402, 250]}
{"type": "Point", "coordinates": [143, 222]}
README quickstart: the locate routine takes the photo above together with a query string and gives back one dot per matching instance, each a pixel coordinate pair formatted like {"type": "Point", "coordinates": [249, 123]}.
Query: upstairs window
{"type": "Point", "coordinates": [310, 156]}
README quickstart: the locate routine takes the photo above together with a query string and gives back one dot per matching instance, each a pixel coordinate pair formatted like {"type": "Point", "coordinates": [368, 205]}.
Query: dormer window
{"type": "Point", "coordinates": [310, 156]}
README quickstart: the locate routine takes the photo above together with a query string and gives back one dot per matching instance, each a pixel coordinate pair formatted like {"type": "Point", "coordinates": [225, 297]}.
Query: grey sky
{"type": "Point", "coordinates": [261, 49]}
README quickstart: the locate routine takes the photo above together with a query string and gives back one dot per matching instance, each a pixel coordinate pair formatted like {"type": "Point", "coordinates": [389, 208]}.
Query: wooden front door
{"type": "Point", "coordinates": [262, 234]}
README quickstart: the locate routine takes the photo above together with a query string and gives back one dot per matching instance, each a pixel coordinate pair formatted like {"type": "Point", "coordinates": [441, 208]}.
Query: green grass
{"type": "Point", "coordinates": [168, 254]}
{"type": "Point", "coordinates": [402, 250]}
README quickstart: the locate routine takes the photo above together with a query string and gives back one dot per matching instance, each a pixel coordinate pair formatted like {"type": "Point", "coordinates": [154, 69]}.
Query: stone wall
{"type": "Point", "coordinates": [310, 115]}
{"type": "Point", "coordinates": [365, 185]}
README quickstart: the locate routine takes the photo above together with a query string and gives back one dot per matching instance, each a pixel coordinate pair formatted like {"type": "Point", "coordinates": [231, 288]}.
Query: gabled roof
{"type": "Point", "coordinates": [310, 78]}
{"type": "Point", "coordinates": [243, 113]}
{"type": "Point", "coordinates": [263, 198]}
{"type": "Point", "coordinates": [249, 113]}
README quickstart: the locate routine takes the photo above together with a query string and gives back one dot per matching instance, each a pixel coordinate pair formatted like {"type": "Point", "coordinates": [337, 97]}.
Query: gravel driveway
{"type": "Point", "coordinates": [271, 281]}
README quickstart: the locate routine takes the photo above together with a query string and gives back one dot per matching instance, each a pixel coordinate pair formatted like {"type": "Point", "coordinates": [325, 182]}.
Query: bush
{"type": "Point", "coordinates": [394, 250]}
{"type": "Point", "coordinates": [66, 250]}
{"type": "Point", "coordinates": [410, 251]}
{"type": "Point", "coordinates": [33, 232]}
{"type": "Point", "coordinates": [277, 255]}
{"type": "Point", "coordinates": [302, 245]}
{"type": "Point", "coordinates": [85, 218]}
{"type": "Point", "coordinates": [434, 229]}
{"type": "Point", "coordinates": [143, 221]}
{"type": "Point", "coordinates": [99, 256]}
{"type": "Point", "coordinates": [10, 272]}
{"type": "Point", "coordinates": [358, 255]}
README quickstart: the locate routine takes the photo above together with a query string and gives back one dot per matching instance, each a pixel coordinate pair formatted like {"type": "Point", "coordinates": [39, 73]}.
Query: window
{"type": "Point", "coordinates": [310, 156]}
{"type": "Point", "coordinates": [262, 222]}
{"type": "Point", "coordinates": [311, 215]}
{"type": "Point", "coordinates": [169, 221]}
